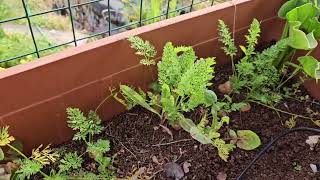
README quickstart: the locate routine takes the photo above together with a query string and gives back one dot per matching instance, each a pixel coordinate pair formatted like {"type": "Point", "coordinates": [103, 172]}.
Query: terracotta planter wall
{"type": "Point", "coordinates": [34, 96]}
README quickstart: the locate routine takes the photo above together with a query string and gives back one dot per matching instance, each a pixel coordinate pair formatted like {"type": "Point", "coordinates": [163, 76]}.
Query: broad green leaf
{"type": "Point", "coordinates": [186, 123]}
{"type": "Point", "coordinates": [299, 39]}
{"type": "Point", "coordinates": [313, 24]}
{"type": "Point", "coordinates": [310, 66]}
{"type": "Point", "coordinates": [1, 155]}
{"type": "Point", "coordinates": [302, 13]}
{"type": "Point", "coordinates": [248, 140]}
{"type": "Point", "coordinates": [288, 6]}
{"type": "Point", "coordinates": [137, 98]}
{"type": "Point", "coordinates": [199, 136]}
{"type": "Point", "coordinates": [210, 97]}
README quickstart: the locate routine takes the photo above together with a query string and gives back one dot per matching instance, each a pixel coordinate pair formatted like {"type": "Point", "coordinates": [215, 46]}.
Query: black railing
{"type": "Point", "coordinates": [37, 51]}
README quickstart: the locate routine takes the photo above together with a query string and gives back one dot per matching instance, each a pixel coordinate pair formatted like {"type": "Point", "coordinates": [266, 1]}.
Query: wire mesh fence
{"type": "Point", "coordinates": [143, 15]}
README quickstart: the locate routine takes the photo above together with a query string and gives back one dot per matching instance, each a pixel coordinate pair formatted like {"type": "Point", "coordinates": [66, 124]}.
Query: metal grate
{"type": "Point", "coordinates": [110, 30]}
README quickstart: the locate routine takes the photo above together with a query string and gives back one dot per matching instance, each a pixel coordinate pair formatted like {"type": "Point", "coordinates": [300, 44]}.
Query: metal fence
{"type": "Point", "coordinates": [109, 30]}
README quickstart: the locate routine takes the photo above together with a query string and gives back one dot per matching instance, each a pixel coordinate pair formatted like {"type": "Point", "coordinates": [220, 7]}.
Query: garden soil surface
{"type": "Point", "coordinates": [142, 148]}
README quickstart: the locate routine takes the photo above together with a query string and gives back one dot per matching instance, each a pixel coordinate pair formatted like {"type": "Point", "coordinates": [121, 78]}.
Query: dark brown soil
{"type": "Point", "coordinates": [141, 145]}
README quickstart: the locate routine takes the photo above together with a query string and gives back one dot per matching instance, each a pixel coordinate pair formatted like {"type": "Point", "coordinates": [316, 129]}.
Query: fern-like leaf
{"type": "Point", "coordinates": [145, 49]}
{"type": "Point", "coordinates": [28, 168]}
{"type": "Point", "coordinates": [252, 37]}
{"type": "Point", "coordinates": [84, 126]}
{"type": "Point", "coordinates": [226, 39]}
{"type": "Point", "coordinates": [194, 83]}
{"type": "Point", "coordinates": [99, 147]}
{"type": "Point", "coordinates": [169, 69]}
{"type": "Point", "coordinates": [45, 156]}
{"type": "Point", "coordinates": [71, 161]}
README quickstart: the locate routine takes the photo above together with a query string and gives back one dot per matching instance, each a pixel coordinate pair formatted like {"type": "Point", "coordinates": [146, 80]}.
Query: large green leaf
{"type": "Point", "coordinates": [290, 5]}
{"type": "Point", "coordinates": [302, 13]}
{"type": "Point", "coordinates": [310, 66]}
{"type": "Point", "coordinates": [137, 98]}
{"type": "Point", "coordinates": [248, 140]}
{"type": "Point", "coordinates": [313, 24]}
{"type": "Point", "coordinates": [198, 135]}
{"type": "Point", "coordinates": [299, 39]}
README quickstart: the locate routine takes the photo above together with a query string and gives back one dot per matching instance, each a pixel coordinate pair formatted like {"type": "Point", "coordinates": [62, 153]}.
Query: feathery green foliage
{"type": "Point", "coordinates": [226, 39]}
{"type": "Point", "coordinates": [255, 73]}
{"type": "Point", "coordinates": [71, 161]}
{"type": "Point", "coordinates": [183, 80]}
{"type": "Point", "coordinates": [28, 168]}
{"type": "Point", "coordinates": [145, 49]}
{"type": "Point", "coordinates": [45, 156]}
{"type": "Point", "coordinates": [258, 76]}
{"type": "Point", "coordinates": [86, 127]}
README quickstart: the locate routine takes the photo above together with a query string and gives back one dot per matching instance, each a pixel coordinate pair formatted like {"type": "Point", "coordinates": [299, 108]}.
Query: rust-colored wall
{"type": "Point", "coordinates": [34, 96]}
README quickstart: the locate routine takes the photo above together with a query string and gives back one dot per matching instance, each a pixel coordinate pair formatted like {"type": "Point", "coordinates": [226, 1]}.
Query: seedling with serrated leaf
{"type": "Point", "coordinates": [182, 85]}
{"type": "Point", "coordinates": [26, 166]}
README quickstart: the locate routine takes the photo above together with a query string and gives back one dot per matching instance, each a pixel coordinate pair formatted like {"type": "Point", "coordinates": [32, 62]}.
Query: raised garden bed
{"type": "Point", "coordinates": [37, 94]}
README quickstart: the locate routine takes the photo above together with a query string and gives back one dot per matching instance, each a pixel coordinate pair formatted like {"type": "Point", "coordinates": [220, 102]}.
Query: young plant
{"type": "Point", "coordinates": [27, 166]}
{"type": "Point", "coordinates": [255, 73]}
{"type": "Point", "coordinates": [227, 40]}
{"type": "Point", "coordinates": [86, 128]}
{"type": "Point", "coordinates": [182, 86]}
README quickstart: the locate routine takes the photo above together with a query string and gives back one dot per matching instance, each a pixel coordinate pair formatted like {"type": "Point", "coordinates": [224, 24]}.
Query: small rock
{"type": "Point", "coordinates": [313, 141]}
{"type": "Point", "coordinates": [225, 88]}
{"type": "Point", "coordinates": [173, 170]}
{"type": "Point", "coordinates": [315, 168]}
{"type": "Point", "coordinates": [186, 165]}
{"type": "Point", "coordinates": [155, 128]}
{"type": "Point", "coordinates": [222, 176]}
{"type": "Point", "coordinates": [246, 108]}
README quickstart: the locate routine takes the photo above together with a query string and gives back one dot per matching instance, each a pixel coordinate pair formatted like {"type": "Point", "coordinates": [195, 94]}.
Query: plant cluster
{"type": "Point", "coordinates": [182, 86]}
{"type": "Point", "coordinates": [69, 164]}
{"type": "Point", "coordinates": [262, 74]}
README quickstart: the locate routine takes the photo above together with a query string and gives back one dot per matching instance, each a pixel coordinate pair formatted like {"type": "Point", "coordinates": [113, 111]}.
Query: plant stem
{"type": "Point", "coordinates": [282, 111]}
{"type": "Point", "coordinates": [296, 71]}
{"type": "Point", "coordinates": [309, 52]}
{"type": "Point", "coordinates": [102, 102]}
{"type": "Point", "coordinates": [17, 151]}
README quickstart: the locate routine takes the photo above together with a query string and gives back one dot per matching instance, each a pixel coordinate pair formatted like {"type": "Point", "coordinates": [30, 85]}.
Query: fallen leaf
{"type": "Point", "coordinates": [186, 165]}
{"type": "Point", "coordinates": [313, 141]}
{"type": "Point", "coordinates": [222, 176]}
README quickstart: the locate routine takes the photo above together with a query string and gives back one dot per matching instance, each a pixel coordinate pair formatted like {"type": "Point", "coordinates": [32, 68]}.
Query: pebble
{"type": "Point", "coordinates": [174, 171]}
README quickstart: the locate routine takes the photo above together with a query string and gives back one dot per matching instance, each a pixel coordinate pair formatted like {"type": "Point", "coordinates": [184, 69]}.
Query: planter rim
{"type": "Point", "coordinates": [114, 38]}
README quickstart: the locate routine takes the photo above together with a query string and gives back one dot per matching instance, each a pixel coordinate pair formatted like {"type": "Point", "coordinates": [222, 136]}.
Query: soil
{"type": "Point", "coordinates": [142, 147]}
